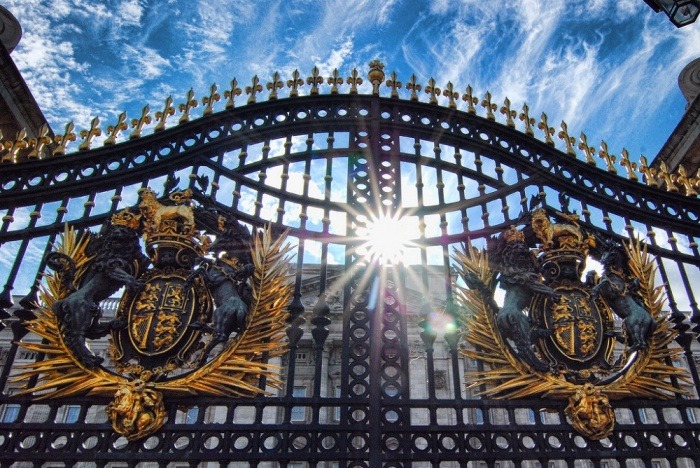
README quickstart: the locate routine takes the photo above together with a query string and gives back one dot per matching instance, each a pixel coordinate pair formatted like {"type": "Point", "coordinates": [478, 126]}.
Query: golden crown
{"type": "Point", "coordinates": [126, 218]}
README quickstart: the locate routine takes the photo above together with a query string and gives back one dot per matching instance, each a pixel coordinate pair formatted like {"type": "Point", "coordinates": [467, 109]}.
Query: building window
{"type": "Point", "coordinates": [642, 415]}
{"type": "Point", "coordinates": [28, 355]}
{"type": "Point", "coordinates": [298, 412]}
{"type": "Point", "coordinates": [10, 413]}
{"type": "Point", "coordinates": [192, 415]}
{"type": "Point", "coordinates": [478, 416]}
{"type": "Point", "coordinates": [690, 414]}
{"type": "Point", "coordinates": [71, 414]}
{"type": "Point", "coordinates": [336, 410]}
{"type": "Point", "coordinates": [301, 355]}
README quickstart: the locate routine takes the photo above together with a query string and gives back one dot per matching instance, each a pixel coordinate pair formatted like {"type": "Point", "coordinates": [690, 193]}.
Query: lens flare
{"type": "Point", "coordinates": [386, 239]}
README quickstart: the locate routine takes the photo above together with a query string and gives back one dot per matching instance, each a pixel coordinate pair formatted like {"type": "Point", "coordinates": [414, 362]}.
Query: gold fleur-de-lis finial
{"type": "Point", "coordinates": [649, 173]}
{"type": "Point", "coordinates": [38, 144]}
{"type": "Point", "coordinates": [489, 106]}
{"type": "Point", "coordinates": [433, 91]}
{"type": "Point", "coordinates": [354, 81]}
{"type": "Point", "coordinates": [89, 135]}
{"type": "Point", "coordinates": [686, 181]}
{"type": "Point", "coordinates": [162, 116]}
{"type": "Point", "coordinates": [628, 165]}
{"type": "Point", "coordinates": [137, 124]}
{"type": "Point", "coordinates": [413, 87]}
{"type": "Point", "coordinates": [334, 81]}
{"type": "Point", "coordinates": [230, 94]}
{"type": "Point", "coordinates": [529, 121]}
{"type": "Point", "coordinates": [274, 85]}
{"type": "Point", "coordinates": [294, 83]}
{"type": "Point", "coordinates": [185, 107]}
{"type": "Point", "coordinates": [470, 99]}
{"type": "Point", "coordinates": [314, 80]}
{"type": "Point", "coordinates": [376, 75]}
{"type": "Point", "coordinates": [252, 90]}
{"type": "Point", "coordinates": [451, 94]}
{"type": "Point", "coordinates": [588, 151]}
{"type": "Point", "coordinates": [114, 130]}
{"type": "Point", "coordinates": [666, 177]}
{"type": "Point", "coordinates": [546, 129]}
{"type": "Point", "coordinates": [607, 157]}
{"type": "Point", "coordinates": [509, 113]}
{"type": "Point", "coordinates": [209, 101]}
{"type": "Point", "coordinates": [394, 84]}
{"type": "Point", "coordinates": [63, 140]}
{"type": "Point", "coordinates": [14, 147]}
{"type": "Point", "coordinates": [568, 140]}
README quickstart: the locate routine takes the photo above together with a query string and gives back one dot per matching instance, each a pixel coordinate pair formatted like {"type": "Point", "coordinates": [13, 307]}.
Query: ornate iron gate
{"type": "Point", "coordinates": [374, 375]}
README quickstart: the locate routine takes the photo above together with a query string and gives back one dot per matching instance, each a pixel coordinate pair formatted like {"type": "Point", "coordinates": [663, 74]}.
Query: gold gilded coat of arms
{"type": "Point", "coordinates": [204, 307]}
{"type": "Point", "coordinates": [562, 331]}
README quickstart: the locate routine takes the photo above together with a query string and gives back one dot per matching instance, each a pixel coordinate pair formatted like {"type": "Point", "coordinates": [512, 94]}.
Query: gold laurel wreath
{"type": "Point", "coordinates": [236, 371]}
{"type": "Point", "coordinates": [507, 377]}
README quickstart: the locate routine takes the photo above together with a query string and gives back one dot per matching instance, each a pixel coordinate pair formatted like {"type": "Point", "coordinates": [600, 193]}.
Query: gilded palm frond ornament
{"type": "Point", "coordinates": [555, 334]}
{"type": "Point", "coordinates": [198, 316]}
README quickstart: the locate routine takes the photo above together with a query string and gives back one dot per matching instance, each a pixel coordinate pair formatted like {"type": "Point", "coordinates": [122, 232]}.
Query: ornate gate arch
{"type": "Point", "coordinates": [325, 166]}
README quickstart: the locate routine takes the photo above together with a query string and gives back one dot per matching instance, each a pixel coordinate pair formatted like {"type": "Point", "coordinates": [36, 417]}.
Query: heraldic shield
{"type": "Point", "coordinates": [556, 332]}
{"type": "Point", "coordinates": [201, 313]}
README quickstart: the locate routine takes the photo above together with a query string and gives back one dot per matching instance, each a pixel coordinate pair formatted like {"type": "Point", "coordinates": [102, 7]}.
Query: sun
{"type": "Point", "coordinates": [386, 239]}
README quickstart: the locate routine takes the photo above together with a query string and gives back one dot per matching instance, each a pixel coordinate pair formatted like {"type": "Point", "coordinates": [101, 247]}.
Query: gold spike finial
{"type": "Point", "coordinates": [588, 151]}
{"type": "Point", "coordinates": [628, 165]}
{"type": "Point", "coordinates": [273, 86]}
{"type": "Point", "coordinates": [509, 113]}
{"type": "Point", "coordinates": [38, 144]}
{"type": "Point", "coordinates": [13, 148]}
{"type": "Point", "coordinates": [89, 135]}
{"type": "Point", "coordinates": [489, 106]}
{"type": "Point", "coordinates": [394, 84]}
{"type": "Point", "coordinates": [568, 140]}
{"type": "Point", "coordinates": [294, 83]}
{"type": "Point", "coordinates": [451, 94]}
{"type": "Point", "coordinates": [335, 80]}
{"type": "Point", "coordinates": [649, 173]}
{"type": "Point", "coordinates": [230, 94]}
{"type": "Point", "coordinates": [470, 99]}
{"type": "Point", "coordinates": [62, 141]}
{"type": "Point", "coordinates": [413, 87]}
{"type": "Point", "coordinates": [529, 121]}
{"type": "Point", "coordinates": [162, 116]}
{"type": "Point", "coordinates": [667, 178]}
{"type": "Point", "coordinates": [187, 106]}
{"type": "Point", "coordinates": [686, 181]}
{"type": "Point", "coordinates": [354, 81]}
{"type": "Point", "coordinates": [114, 130]}
{"type": "Point", "coordinates": [209, 101]}
{"type": "Point", "coordinates": [433, 90]}
{"type": "Point", "coordinates": [137, 124]}
{"type": "Point", "coordinates": [546, 129]}
{"type": "Point", "coordinates": [314, 80]}
{"type": "Point", "coordinates": [607, 157]}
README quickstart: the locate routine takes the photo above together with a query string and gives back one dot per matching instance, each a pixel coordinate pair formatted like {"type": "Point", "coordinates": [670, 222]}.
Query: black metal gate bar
{"type": "Point", "coordinates": [469, 177]}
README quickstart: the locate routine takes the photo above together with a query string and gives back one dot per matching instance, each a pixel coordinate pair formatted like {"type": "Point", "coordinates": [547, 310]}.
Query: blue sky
{"type": "Point", "coordinates": [608, 68]}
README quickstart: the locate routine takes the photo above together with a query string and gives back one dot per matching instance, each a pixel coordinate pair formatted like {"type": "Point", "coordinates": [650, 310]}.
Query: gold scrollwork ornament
{"type": "Point", "coordinates": [137, 387]}
{"type": "Point", "coordinates": [570, 349]}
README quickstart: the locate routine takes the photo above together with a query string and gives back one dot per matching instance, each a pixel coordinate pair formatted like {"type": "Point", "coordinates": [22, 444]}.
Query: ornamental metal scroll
{"type": "Point", "coordinates": [203, 311]}
{"type": "Point", "coordinates": [555, 333]}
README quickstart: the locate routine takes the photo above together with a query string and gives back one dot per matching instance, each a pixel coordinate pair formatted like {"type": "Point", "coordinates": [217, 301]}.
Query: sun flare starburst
{"type": "Point", "coordinates": [386, 239]}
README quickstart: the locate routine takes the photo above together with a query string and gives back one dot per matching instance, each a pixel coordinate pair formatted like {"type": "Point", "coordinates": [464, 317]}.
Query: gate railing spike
{"type": "Point", "coordinates": [21, 149]}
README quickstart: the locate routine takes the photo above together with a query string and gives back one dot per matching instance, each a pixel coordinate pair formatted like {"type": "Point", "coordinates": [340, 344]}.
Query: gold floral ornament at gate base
{"type": "Point", "coordinates": [555, 336]}
{"type": "Point", "coordinates": [196, 297]}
